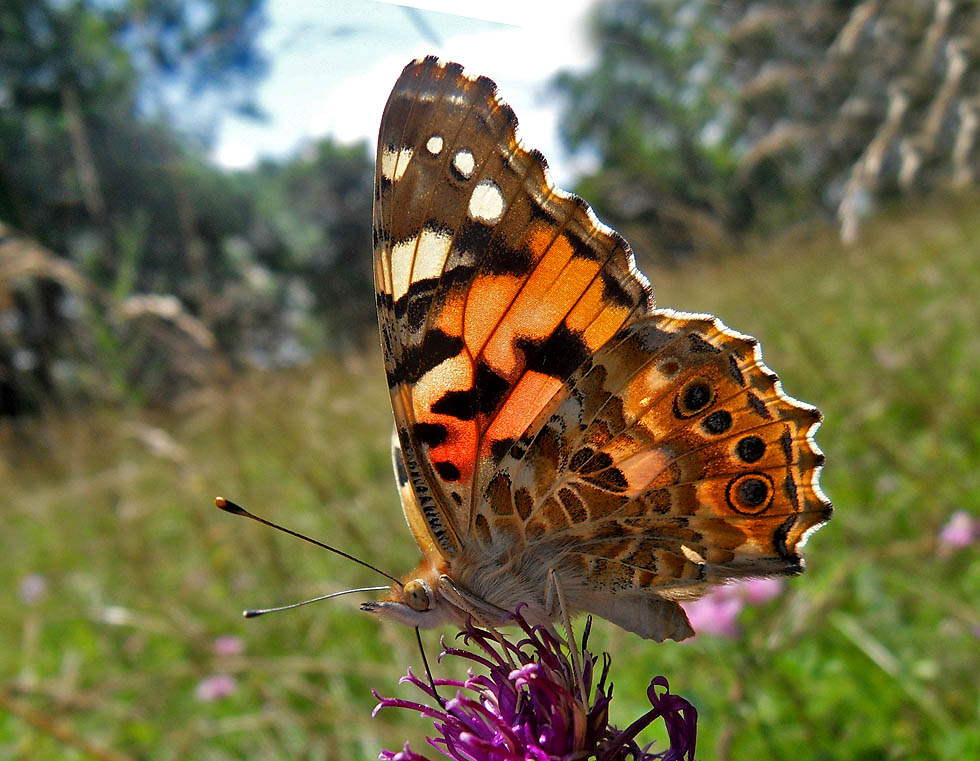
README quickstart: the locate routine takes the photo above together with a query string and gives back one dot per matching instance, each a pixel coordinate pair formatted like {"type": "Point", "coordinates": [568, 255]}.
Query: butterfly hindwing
{"type": "Point", "coordinates": [669, 462]}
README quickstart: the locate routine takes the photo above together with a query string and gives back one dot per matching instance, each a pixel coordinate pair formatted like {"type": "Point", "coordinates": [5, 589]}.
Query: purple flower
{"type": "Point", "coordinates": [961, 530]}
{"type": "Point", "coordinates": [228, 644]}
{"type": "Point", "coordinates": [33, 587]}
{"type": "Point", "coordinates": [716, 614]}
{"type": "Point", "coordinates": [759, 591]}
{"type": "Point", "coordinates": [215, 687]}
{"type": "Point", "coordinates": [528, 708]}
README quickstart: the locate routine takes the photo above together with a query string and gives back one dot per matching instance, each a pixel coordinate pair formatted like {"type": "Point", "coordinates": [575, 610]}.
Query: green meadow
{"type": "Point", "coordinates": [120, 575]}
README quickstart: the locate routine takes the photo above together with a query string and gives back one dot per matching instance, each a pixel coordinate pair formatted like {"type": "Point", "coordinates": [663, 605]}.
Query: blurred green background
{"type": "Point", "coordinates": [171, 330]}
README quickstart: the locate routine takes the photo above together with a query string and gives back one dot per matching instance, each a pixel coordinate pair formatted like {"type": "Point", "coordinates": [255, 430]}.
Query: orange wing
{"type": "Point", "coordinates": [493, 286]}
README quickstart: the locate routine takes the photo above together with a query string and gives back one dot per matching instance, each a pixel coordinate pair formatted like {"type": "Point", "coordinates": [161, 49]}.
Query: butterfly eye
{"type": "Point", "coordinates": [416, 595]}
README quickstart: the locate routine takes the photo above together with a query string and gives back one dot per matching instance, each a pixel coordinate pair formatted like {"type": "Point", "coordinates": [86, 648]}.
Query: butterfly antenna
{"type": "Point", "coordinates": [263, 611]}
{"type": "Point", "coordinates": [428, 671]}
{"type": "Point", "coordinates": [230, 507]}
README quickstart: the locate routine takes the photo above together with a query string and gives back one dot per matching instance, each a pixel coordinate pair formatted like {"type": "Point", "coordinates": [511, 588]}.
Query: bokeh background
{"type": "Point", "coordinates": [186, 309]}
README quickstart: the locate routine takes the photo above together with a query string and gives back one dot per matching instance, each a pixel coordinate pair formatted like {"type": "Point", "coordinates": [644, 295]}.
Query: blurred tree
{"type": "Point", "coordinates": [325, 197]}
{"type": "Point", "coordinates": [76, 163]}
{"type": "Point", "coordinates": [299, 276]}
{"type": "Point", "coordinates": [709, 118]}
{"type": "Point", "coordinates": [37, 338]}
{"type": "Point", "coordinates": [839, 104]}
{"type": "Point", "coordinates": [90, 169]}
{"type": "Point", "coordinates": [653, 110]}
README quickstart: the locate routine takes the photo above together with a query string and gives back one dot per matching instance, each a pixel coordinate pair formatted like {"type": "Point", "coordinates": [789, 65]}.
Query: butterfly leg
{"type": "Point", "coordinates": [555, 592]}
{"type": "Point", "coordinates": [428, 671]}
{"type": "Point", "coordinates": [480, 609]}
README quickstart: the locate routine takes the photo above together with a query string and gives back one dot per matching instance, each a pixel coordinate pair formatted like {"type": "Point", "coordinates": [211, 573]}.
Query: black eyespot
{"type": "Point", "coordinates": [750, 494]}
{"type": "Point", "coordinates": [717, 422]}
{"type": "Point", "coordinates": [693, 398]}
{"type": "Point", "coordinates": [753, 491]}
{"type": "Point", "coordinates": [697, 396]}
{"type": "Point", "coordinates": [750, 449]}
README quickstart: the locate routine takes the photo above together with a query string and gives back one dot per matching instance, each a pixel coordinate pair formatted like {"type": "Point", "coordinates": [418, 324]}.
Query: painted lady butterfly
{"type": "Point", "coordinates": [553, 431]}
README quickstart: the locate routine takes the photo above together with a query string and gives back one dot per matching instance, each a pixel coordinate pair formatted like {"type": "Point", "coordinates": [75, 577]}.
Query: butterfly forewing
{"type": "Point", "coordinates": [493, 285]}
{"type": "Point", "coordinates": [548, 416]}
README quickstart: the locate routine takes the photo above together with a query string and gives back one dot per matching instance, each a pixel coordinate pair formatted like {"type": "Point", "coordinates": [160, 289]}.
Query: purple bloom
{"type": "Point", "coordinates": [33, 588]}
{"type": "Point", "coordinates": [716, 613]}
{"type": "Point", "coordinates": [228, 644]}
{"type": "Point", "coordinates": [215, 687]}
{"type": "Point", "coordinates": [528, 707]}
{"type": "Point", "coordinates": [961, 530]}
{"type": "Point", "coordinates": [759, 591]}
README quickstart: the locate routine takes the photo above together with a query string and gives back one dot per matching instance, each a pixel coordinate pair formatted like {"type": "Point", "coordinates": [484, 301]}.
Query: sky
{"type": "Point", "coordinates": [332, 64]}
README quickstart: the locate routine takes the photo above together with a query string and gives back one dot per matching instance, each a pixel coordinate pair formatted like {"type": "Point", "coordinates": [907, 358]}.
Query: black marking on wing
{"type": "Point", "coordinates": [613, 290]}
{"type": "Point", "coordinates": [431, 434]}
{"type": "Point", "coordinates": [786, 440]}
{"type": "Point", "coordinates": [795, 563]}
{"type": "Point", "coordinates": [446, 470]}
{"type": "Point", "coordinates": [419, 359]}
{"type": "Point", "coordinates": [700, 346]}
{"type": "Point", "coordinates": [499, 448]}
{"type": "Point", "coordinates": [734, 371]}
{"type": "Point", "coordinates": [427, 504]}
{"type": "Point", "coordinates": [488, 391]}
{"type": "Point", "coordinates": [558, 355]}
{"type": "Point", "coordinates": [758, 406]}
{"type": "Point", "coordinates": [717, 422]}
{"type": "Point", "coordinates": [750, 449]}
{"type": "Point", "coordinates": [502, 259]}
{"type": "Point", "coordinates": [473, 236]}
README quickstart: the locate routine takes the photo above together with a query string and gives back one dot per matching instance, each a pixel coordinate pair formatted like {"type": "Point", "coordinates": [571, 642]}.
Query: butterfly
{"type": "Point", "coordinates": [557, 438]}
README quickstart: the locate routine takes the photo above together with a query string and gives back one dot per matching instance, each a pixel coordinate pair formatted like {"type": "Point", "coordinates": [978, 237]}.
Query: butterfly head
{"type": "Point", "coordinates": [417, 600]}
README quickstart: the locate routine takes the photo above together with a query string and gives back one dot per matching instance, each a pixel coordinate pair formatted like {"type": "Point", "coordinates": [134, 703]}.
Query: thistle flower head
{"type": "Point", "coordinates": [525, 705]}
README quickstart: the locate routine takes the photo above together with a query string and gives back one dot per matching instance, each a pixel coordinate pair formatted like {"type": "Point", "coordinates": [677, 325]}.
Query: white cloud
{"type": "Point", "coordinates": [339, 87]}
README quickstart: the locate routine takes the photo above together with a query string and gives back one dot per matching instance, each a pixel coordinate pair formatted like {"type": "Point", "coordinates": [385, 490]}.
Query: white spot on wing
{"type": "Point", "coordinates": [434, 145]}
{"type": "Point", "coordinates": [487, 202]}
{"type": "Point", "coordinates": [394, 163]}
{"type": "Point", "coordinates": [402, 255]}
{"type": "Point", "coordinates": [693, 555]}
{"type": "Point", "coordinates": [386, 269]}
{"type": "Point", "coordinates": [464, 163]}
{"type": "Point", "coordinates": [432, 252]}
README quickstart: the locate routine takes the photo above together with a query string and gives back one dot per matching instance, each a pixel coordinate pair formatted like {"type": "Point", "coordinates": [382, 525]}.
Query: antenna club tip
{"type": "Point", "coordinates": [251, 613]}
{"type": "Point", "coordinates": [228, 506]}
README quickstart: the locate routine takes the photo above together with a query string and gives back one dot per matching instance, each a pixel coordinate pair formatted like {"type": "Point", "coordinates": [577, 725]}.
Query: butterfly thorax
{"type": "Point", "coordinates": [508, 576]}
